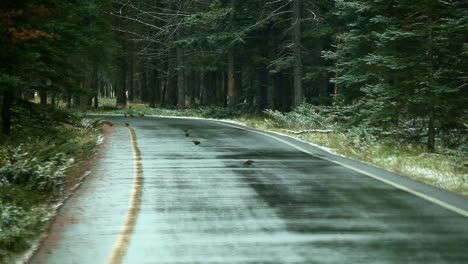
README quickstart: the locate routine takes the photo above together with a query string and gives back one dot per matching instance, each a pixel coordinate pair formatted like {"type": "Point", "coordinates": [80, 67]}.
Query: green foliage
{"type": "Point", "coordinates": [216, 112]}
{"type": "Point", "coordinates": [308, 116]}
{"type": "Point", "coordinates": [403, 63]}
{"type": "Point", "coordinates": [18, 226]}
{"type": "Point", "coordinates": [17, 195]}
{"type": "Point", "coordinates": [47, 176]}
{"type": "Point", "coordinates": [8, 81]}
{"type": "Point", "coordinates": [34, 169]}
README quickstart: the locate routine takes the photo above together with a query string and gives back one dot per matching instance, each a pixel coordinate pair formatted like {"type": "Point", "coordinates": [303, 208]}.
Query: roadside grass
{"type": "Point", "coordinates": [36, 165]}
{"type": "Point", "coordinates": [446, 169]}
{"type": "Point", "coordinates": [443, 169]}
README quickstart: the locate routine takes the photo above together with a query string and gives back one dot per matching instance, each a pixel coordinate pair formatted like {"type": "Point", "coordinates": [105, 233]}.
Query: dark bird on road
{"type": "Point", "coordinates": [126, 124]}
{"type": "Point", "coordinates": [196, 142]}
{"type": "Point", "coordinates": [248, 163]}
{"type": "Point", "coordinates": [187, 134]}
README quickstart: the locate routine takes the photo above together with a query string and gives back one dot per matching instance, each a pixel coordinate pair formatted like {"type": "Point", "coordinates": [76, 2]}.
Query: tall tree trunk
{"type": "Point", "coordinates": [272, 45]}
{"type": "Point", "coordinates": [121, 87]}
{"type": "Point", "coordinates": [224, 88]}
{"type": "Point", "coordinates": [239, 84]}
{"type": "Point", "coordinates": [152, 89]}
{"type": "Point", "coordinates": [76, 100]}
{"type": "Point", "coordinates": [102, 88]}
{"type": "Point", "coordinates": [164, 82]}
{"type": "Point", "coordinates": [193, 87]}
{"type": "Point", "coordinates": [271, 92]}
{"type": "Point", "coordinates": [284, 95]}
{"type": "Point", "coordinates": [131, 87]}
{"type": "Point", "coordinates": [210, 88]}
{"type": "Point", "coordinates": [158, 92]}
{"type": "Point", "coordinates": [180, 78]}
{"type": "Point", "coordinates": [197, 88]}
{"type": "Point", "coordinates": [232, 93]}
{"type": "Point", "coordinates": [431, 142]}
{"type": "Point", "coordinates": [114, 89]}
{"type": "Point", "coordinates": [85, 100]}
{"type": "Point", "coordinates": [171, 89]}
{"type": "Point", "coordinates": [155, 89]}
{"type": "Point", "coordinates": [144, 87]}
{"type": "Point", "coordinates": [264, 86]}
{"type": "Point", "coordinates": [97, 87]}
{"type": "Point", "coordinates": [68, 98]}
{"type": "Point", "coordinates": [43, 97]}
{"type": "Point", "coordinates": [203, 88]}
{"type": "Point", "coordinates": [297, 68]}
{"type": "Point", "coordinates": [6, 112]}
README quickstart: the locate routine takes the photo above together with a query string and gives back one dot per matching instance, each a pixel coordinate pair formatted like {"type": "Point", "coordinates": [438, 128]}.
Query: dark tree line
{"type": "Point", "coordinates": [57, 50]}
{"type": "Point", "coordinates": [240, 54]}
{"type": "Point", "coordinates": [402, 65]}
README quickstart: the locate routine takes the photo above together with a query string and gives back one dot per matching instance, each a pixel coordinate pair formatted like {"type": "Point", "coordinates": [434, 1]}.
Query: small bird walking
{"type": "Point", "coordinates": [107, 123]}
{"type": "Point", "coordinates": [248, 163]}
{"type": "Point", "coordinates": [196, 142]}
{"type": "Point", "coordinates": [187, 134]}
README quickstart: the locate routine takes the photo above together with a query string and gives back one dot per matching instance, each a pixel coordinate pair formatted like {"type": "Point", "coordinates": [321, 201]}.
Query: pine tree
{"type": "Point", "coordinates": [395, 61]}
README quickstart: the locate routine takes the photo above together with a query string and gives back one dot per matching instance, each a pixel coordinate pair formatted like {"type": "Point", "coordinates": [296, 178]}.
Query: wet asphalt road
{"type": "Point", "coordinates": [203, 204]}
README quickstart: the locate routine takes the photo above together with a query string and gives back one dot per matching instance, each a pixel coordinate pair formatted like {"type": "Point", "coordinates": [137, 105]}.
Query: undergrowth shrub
{"type": "Point", "coordinates": [216, 112]}
{"type": "Point", "coordinates": [34, 174]}
{"type": "Point", "coordinates": [33, 170]}
{"type": "Point", "coordinates": [361, 138]}
{"type": "Point", "coordinates": [308, 116]}
{"type": "Point", "coordinates": [18, 225]}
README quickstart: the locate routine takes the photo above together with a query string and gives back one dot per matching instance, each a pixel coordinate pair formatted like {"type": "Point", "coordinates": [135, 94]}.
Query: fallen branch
{"type": "Point", "coordinates": [309, 131]}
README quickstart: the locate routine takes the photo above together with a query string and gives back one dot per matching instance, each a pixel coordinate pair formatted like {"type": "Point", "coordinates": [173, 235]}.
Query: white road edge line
{"type": "Point", "coordinates": [426, 197]}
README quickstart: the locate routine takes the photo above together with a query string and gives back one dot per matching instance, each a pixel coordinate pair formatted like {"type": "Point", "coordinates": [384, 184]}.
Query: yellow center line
{"type": "Point", "coordinates": [426, 197]}
{"type": "Point", "coordinates": [123, 239]}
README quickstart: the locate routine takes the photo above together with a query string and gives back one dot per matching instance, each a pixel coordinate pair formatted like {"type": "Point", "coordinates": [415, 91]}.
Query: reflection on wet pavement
{"type": "Point", "coordinates": [202, 204]}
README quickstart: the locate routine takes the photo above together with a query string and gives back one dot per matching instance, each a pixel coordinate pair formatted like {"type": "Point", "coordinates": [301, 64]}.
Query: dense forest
{"type": "Point", "coordinates": [381, 81]}
{"type": "Point", "coordinates": [399, 68]}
